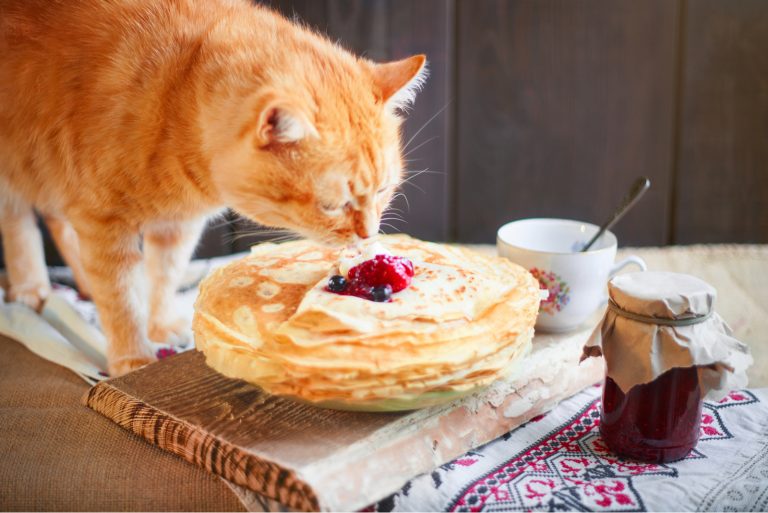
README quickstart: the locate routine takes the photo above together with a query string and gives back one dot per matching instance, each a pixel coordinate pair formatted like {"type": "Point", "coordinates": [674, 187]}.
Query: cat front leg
{"type": "Point", "coordinates": [168, 247]}
{"type": "Point", "coordinates": [114, 270]}
{"type": "Point", "coordinates": [65, 237]}
{"type": "Point", "coordinates": [24, 257]}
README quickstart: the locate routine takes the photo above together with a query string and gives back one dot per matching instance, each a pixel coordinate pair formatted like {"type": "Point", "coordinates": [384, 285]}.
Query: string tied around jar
{"type": "Point", "coordinates": [679, 322]}
{"type": "Point", "coordinates": [657, 321]}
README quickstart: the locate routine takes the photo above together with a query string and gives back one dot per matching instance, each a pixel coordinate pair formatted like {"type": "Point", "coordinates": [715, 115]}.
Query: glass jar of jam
{"type": "Point", "coordinates": [656, 421]}
{"type": "Point", "coordinates": [665, 348]}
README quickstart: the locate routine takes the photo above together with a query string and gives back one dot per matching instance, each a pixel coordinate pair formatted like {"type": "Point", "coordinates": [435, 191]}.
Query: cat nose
{"type": "Point", "coordinates": [362, 232]}
{"type": "Point", "coordinates": [366, 225]}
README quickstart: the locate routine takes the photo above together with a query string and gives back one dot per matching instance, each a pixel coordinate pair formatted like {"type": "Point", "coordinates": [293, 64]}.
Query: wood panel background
{"type": "Point", "coordinates": [722, 165]}
{"type": "Point", "coordinates": [553, 107]}
{"type": "Point", "coordinates": [561, 105]}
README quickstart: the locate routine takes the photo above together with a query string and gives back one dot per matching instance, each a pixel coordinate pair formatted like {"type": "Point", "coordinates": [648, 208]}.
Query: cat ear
{"type": "Point", "coordinates": [398, 82]}
{"type": "Point", "coordinates": [281, 123]}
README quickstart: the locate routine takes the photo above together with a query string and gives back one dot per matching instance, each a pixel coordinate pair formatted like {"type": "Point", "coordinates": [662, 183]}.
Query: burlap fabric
{"type": "Point", "coordinates": [56, 454]}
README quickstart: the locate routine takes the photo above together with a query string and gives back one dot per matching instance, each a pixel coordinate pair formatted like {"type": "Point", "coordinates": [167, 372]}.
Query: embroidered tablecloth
{"type": "Point", "coordinates": [558, 462]}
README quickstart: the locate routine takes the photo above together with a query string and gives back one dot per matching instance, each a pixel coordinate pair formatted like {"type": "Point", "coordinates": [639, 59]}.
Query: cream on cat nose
{"type": "Point", "coordinates": [366, 225]}
{"type": "Point", "coordinates": [363, 232]}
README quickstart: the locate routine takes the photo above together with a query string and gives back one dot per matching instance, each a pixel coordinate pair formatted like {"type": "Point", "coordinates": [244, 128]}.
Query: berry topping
{"type": "Point", "coordinates": [337, 283]}
{"type": "Point", "coordinates": [358, 289]}
{"type": "Point", "coordinates": [384, 270]}
{"type": "Point", "coordinates": [375, 279]}
{"type": "Point", "coordinates": [381, 294]}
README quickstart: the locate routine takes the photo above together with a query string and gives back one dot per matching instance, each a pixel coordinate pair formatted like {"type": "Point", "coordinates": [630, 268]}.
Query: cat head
{"type": "Point", "coordinates": [316, 148]}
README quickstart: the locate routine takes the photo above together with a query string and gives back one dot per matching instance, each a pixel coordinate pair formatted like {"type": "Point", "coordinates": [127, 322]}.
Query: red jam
{"type": "Point", "coordinates": [655, 422]}
{"type": "Point", "coordinates": [375, 279]}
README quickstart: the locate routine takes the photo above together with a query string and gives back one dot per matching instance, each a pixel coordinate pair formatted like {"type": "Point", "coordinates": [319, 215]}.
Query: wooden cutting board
{"type": "Point", "coordinates": [316, 459]}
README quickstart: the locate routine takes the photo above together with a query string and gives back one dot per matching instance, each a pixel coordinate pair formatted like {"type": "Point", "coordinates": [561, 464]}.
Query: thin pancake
{"type": "Point", "coordinates": [267, 318]}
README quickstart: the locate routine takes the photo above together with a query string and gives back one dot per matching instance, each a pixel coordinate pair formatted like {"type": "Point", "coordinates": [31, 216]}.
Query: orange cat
{"type": "Point", "coordinates": [128, 119]}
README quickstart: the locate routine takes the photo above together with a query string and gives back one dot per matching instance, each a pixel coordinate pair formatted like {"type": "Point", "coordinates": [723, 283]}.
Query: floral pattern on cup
{"type": "Point", "coordinates": [559, 291]}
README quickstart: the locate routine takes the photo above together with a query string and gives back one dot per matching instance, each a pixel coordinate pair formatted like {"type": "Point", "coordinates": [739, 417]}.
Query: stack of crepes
{"type": "Point", "coordinates": [465, 321]}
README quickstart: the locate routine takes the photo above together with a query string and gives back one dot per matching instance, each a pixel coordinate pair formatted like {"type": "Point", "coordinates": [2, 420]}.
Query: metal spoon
{"type": "Point", "coordinates": [633, 195]}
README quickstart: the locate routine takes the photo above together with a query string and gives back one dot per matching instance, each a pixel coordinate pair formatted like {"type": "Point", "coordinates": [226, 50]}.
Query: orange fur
{"type": "Point", "coordinates": [129, 118]}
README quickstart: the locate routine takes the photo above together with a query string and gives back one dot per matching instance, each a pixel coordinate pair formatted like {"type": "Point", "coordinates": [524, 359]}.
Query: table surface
{"type": "Point", "coordinates": [559, 462]}
{"type": "Point", "coordinates": [58, 455]}
{"type": "Point", "coordinates": [103, 462]}
{"type": "Point", "coordinates": [312, 458]}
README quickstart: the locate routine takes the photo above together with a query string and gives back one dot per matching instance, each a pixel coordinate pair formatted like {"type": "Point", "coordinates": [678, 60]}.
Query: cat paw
{"type": "Point", "coordinates": [177, 333]}
{"type": "Point", "coordinates": [33, 295]}
{"type": "Point", "coordinates": [129, 363]}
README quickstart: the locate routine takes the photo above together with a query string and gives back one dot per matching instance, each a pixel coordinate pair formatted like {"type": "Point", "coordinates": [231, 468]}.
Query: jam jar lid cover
{"type": "Point", "coordinates": [662, 295]}
{"type": "Point", "coordinates": [657, 321]}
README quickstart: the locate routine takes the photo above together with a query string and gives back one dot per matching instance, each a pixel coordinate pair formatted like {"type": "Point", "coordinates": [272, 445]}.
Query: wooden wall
{"type": "Point", "coordinates": [561, 105]}
{"type": "Point", "coordinates": [553, 107]}
{"type": "Point", "coordinates": [721, 165]}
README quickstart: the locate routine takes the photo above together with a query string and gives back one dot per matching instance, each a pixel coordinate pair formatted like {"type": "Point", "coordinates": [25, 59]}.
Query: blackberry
{"type": "Point", "coordinates": [337, 283]}
{"type": "Point", "coordinates": [382, 293]}
{"type": "Point", "coordinates": [357, 289]}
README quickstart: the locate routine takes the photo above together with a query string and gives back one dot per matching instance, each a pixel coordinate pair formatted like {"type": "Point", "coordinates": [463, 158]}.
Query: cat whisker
{"type": "Point", "coordinates": [239, 219]}
{"type": "Point", "coordinates": [411, 176]}
{"type": "Point", "coordinates": [220, 224]}
{"type": "Point", "coordinates": [420, 145]}
{"type": "Point", "coordinates": [393, 211]}
{"type": "Point", "coordinates": [279, 234]}
{"type": "Point", "coordinates": [234, 237]}
{"type": "Point", "coordinates": [411, 172]}
{"type": "Point", "coordinates": [287, 238]}
{"type": "Point", "coordinates": [405, 198]}
{"type": "Point", "coordinates": [221, 220]}
{"type": "Point", "coordinates": [405, 146]}
{"type": "Point", "coordinates": [276, 234]}
{"type": "Point", "coordinates": [257, 229]}
{"type": "Point", "coordinates": [415, 186]}
{"type": "Point", "coordinates": [389, 226]}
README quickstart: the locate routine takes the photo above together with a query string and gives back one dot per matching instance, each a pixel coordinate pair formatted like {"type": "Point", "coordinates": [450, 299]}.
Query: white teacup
{"type": "Point", "coordinates": [550, 250]}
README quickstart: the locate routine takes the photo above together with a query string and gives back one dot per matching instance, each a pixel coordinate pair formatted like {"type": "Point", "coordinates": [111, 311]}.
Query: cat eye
{"type": "Point", "coordinates": [329, 207]}
{"type": "Point", "coordinates": [334, 209]}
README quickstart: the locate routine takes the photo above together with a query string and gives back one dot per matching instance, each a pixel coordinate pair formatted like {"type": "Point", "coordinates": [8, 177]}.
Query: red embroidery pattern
{"type": "Point", "coordinates": [736, 397]}
{"type": "Point", "coordinates": [558, 473]}
{"type": "Point", "coordinates": [571, 468]}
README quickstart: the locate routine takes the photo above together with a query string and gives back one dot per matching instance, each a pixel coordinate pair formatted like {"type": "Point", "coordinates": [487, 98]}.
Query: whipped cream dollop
{"type": "Point", "coordinates": [355, 255]}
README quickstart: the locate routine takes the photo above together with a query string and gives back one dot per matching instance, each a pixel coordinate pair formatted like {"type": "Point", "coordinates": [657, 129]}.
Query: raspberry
{"type": "Point", "coordinates": [375, 279]}
{"type": "Point", "coordinates": [383, 270]}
